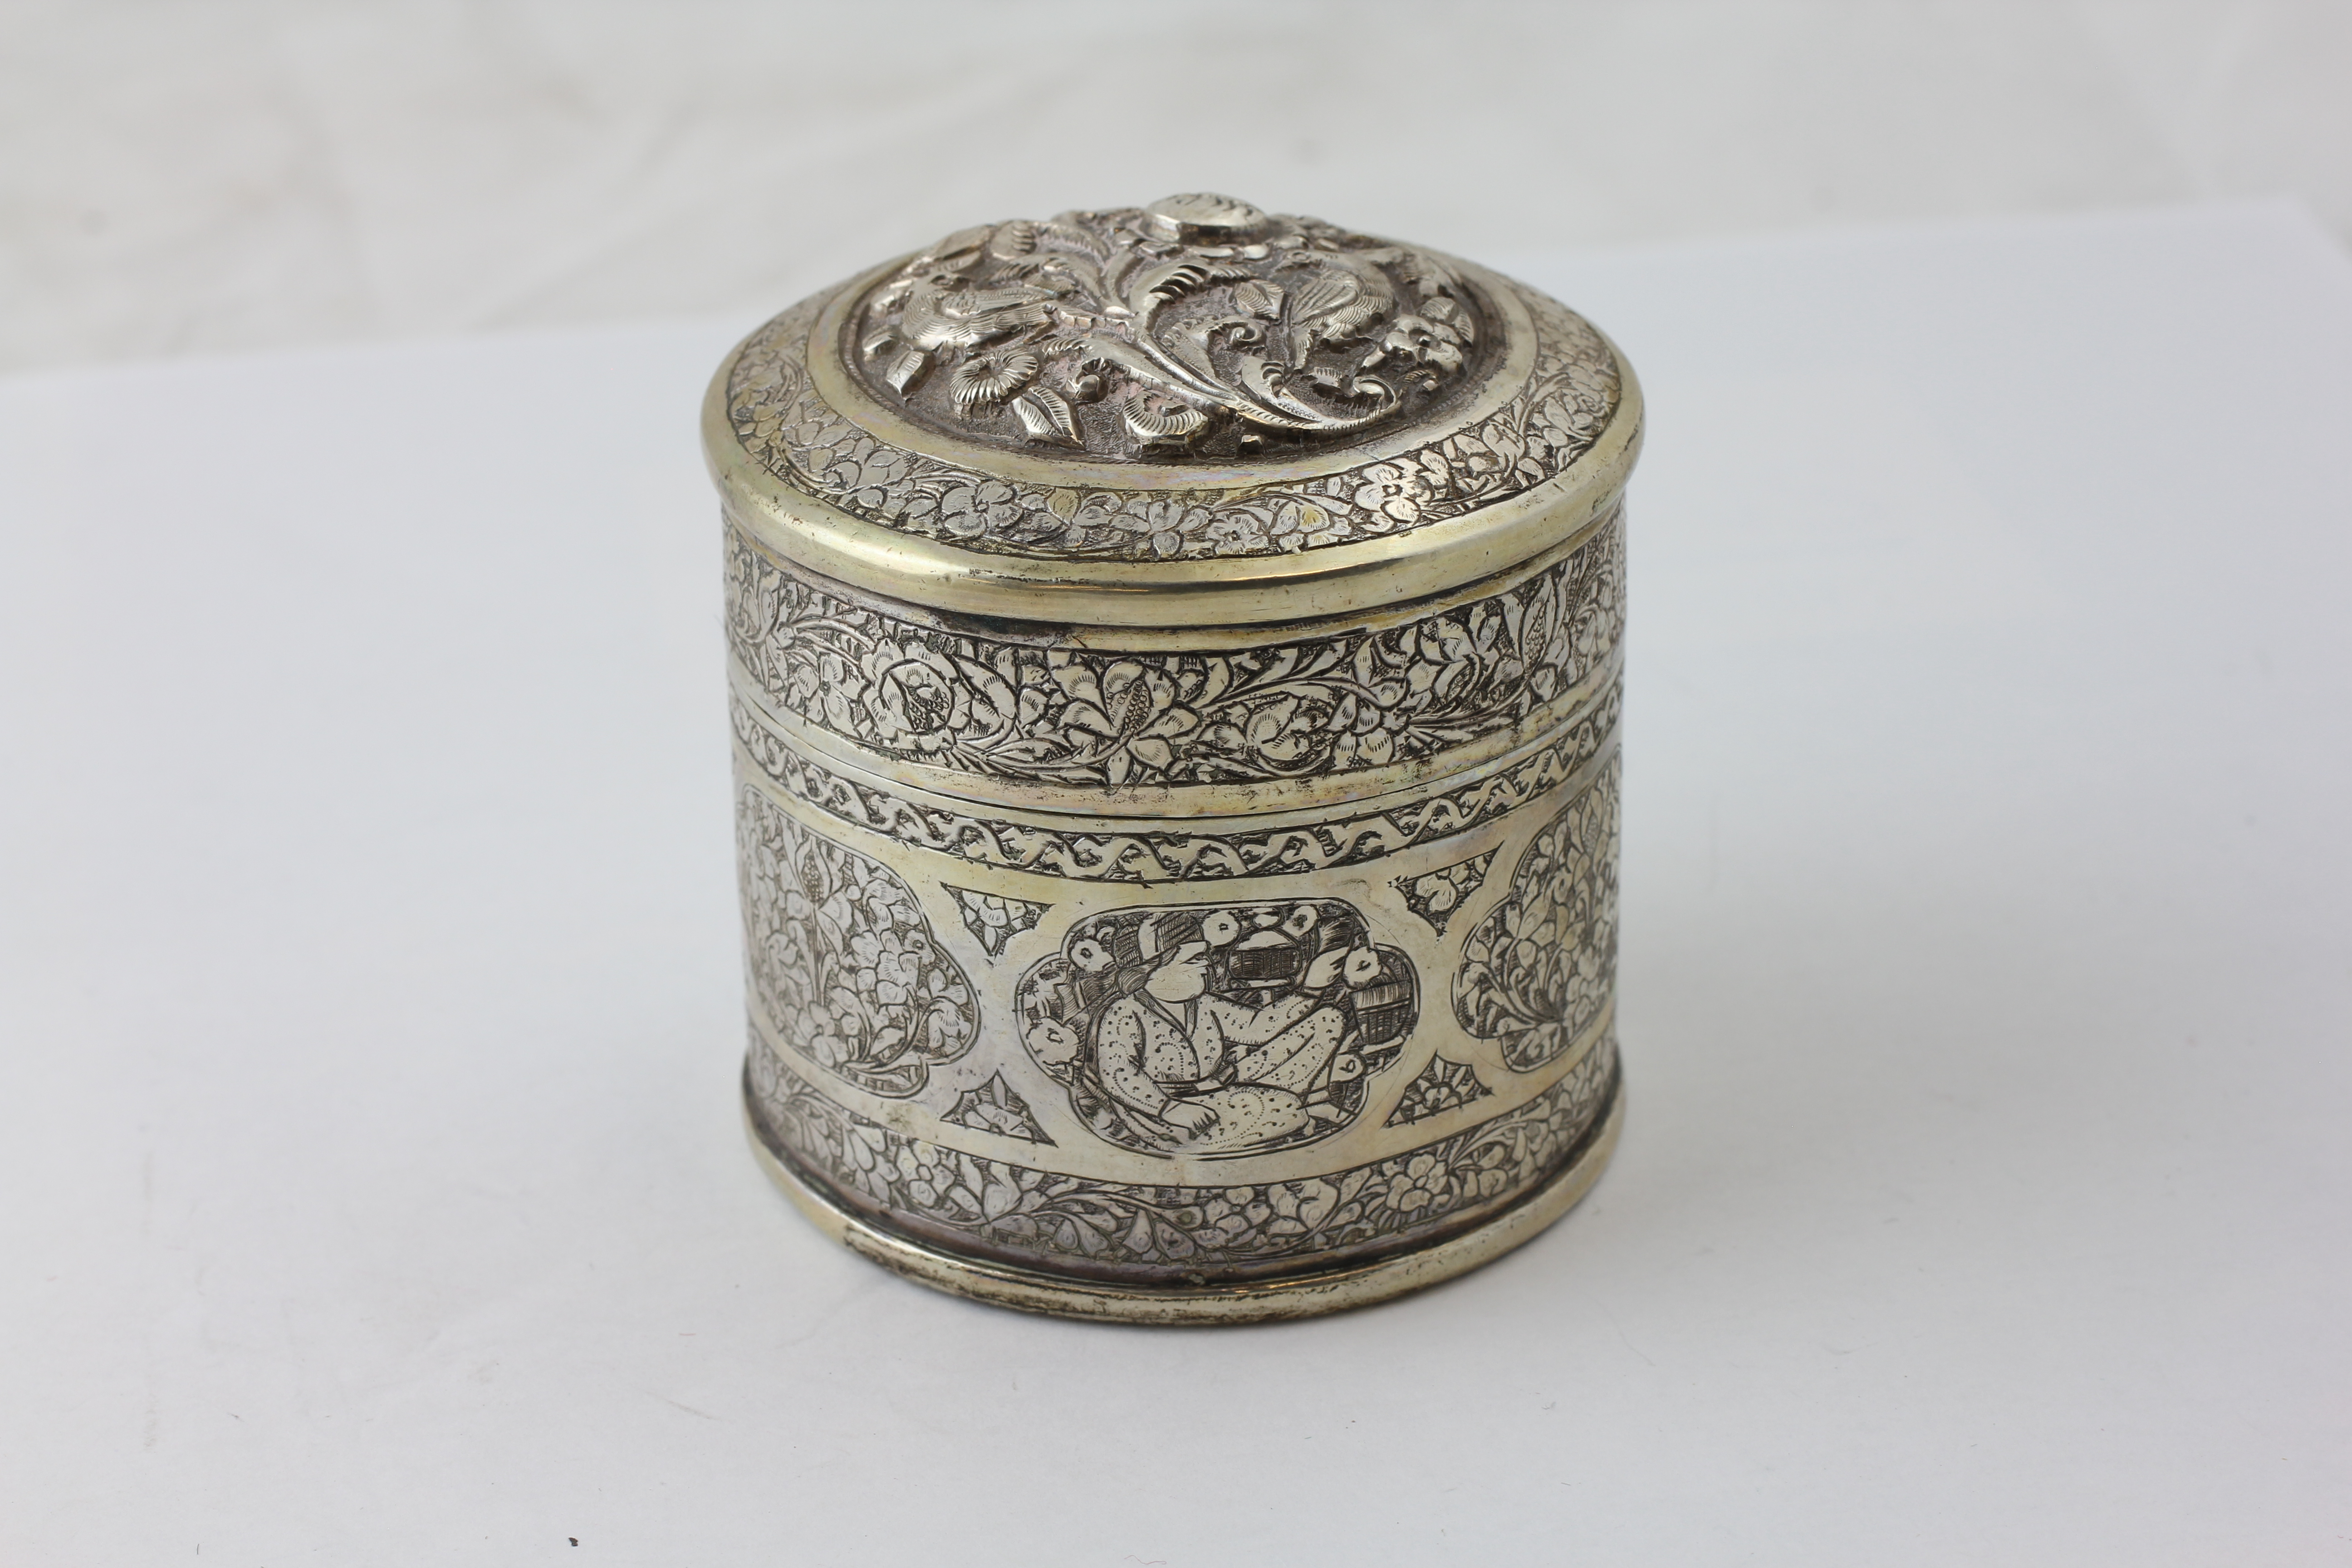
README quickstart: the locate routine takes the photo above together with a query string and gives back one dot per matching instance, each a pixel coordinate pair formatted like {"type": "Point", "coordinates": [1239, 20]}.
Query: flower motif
{"type": "Point", "coordinates": [869, 473]}
{"type": "Point", "coordinates": [969, 510]}
{"type": "Point", "coordinates": [1095, 511]}
{"type": "Point", "coordinates": [1394, 489]}
{"type": "Point", "coordinates": [1422, 340]}
{"type": "Point", "coordinates": [1421, 1184]}
{"type": "Point", "coordinates": [753, 600]}
{"type": "Point", "coordinates": [1110, 1221]}
{"type": "Point", "coordinates": [994, 290]}
{"type": "Point", "coordinates": [1437, 893]}
{"type": "Point", "coordinates": [1162, 526]}
{"type": "Point", "coordinates": [1235, 531]}
{"type": "Point", "coordinates": [1132, 709]}
{"type": "Point", "coordinates": [1474, 459]}
{"type": "Point", "coordinates": [984, 380]}
{"type": "Point", "coordinates": [1531, 978]}
{"type": "Point", "coordinates": [1052, 1042]}
{"type": "Point", "coordinates": [1370, 749]}
{"type": "Point", "coordinates": [917, 699]}
{"type": "Point", "coordinates": [1221, 929]}
{"type": "Point", "coordinates": [844, 966]}
{"type": "Point", "coordinates": [1173, 522]}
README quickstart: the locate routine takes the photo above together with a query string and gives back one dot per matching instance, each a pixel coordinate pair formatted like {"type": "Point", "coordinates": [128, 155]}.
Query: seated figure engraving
{"type": "Point", "coordinates": [1230, 1030]}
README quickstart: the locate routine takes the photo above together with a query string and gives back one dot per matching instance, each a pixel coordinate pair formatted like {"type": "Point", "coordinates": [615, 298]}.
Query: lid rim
{"type": "Point", "coordinates": [1229, 591]}
{"type": "Point", "coordinates": [1414, 561]}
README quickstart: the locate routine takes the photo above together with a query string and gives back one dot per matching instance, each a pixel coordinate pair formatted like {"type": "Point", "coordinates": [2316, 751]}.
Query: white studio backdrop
{"type": "Point", "coordinates": [236, 173]}
{"type": "Point", "coordinates": [373, 1191]}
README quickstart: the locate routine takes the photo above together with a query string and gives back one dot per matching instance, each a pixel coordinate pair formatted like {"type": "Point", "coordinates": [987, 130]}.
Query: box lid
{"type": "Point", "coordinates": [1193, 412]}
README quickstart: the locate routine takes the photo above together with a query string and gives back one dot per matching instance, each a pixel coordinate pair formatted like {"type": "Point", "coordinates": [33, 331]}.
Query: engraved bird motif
{"type": "Point", "coordinates": [939, 315]}
{"type": "Point", "coordinates": [1347, 293]}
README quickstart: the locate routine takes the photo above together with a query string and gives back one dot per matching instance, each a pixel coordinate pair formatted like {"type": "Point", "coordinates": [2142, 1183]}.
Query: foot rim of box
{"type": "Point", "coordinates": [1302, 1295]}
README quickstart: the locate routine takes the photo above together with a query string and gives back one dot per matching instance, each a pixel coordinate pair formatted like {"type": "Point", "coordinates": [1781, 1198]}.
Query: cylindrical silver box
{"type": "Point", "coordinates": [1176, 659]}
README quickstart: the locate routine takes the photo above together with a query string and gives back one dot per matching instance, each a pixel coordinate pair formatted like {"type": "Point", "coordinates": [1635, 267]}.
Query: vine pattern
{"type": "Point", "coordinates": [1111, 855]}
{"type": "Point", "coordinates": [1442, 1086]}
{"type": "Point", "coordinates": [1435, 895]}
{"type": "Point", "coordinates": [1015, 710]}
{"type": "Point", "coordinates": [844, 963]}
{"type": "Point", "coordinates": [786, 427]}
{"type": "Point", "coordinates": [1536, 970]}
{"type": "Point", "coordinates": [1177, 1231]}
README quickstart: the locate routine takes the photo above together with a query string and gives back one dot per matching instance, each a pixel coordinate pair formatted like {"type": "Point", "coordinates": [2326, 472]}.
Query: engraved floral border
{"type": "Point", "coordinates": [1177, 1230]}
{"type": "Point", "coordinates": [1109, 854]}
{"type": "Point", "coordinates": [786, 427]}
{"type": "Point", "coordinates": [1009, 710]}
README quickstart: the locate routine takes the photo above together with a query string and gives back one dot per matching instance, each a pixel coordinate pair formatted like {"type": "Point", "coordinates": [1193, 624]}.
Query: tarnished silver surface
{"type": "Point", "coordinates": [1176, 657]}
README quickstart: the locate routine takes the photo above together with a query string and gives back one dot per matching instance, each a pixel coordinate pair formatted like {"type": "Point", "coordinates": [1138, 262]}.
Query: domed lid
{"type": "Point", "coordinates": [1189, 414]}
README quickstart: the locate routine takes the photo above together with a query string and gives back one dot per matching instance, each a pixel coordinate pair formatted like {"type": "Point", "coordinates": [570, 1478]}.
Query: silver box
{"type": "Point", "coordinates": [1176, 665]}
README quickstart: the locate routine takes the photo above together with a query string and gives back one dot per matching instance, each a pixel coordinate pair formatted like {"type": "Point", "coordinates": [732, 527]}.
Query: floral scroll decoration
{"type": "Point", "coordinates": [1536, 972]}
{"type": "Point", "coordinates": [785, 425]}
{"type": "Point", "coordinates": [1196, 327]}
{"type": "Point", "coordinates": [1017, 710]}
{"type": "Point", "coordinates": [996, 1106]}
{"type": "Point", "coordinates": [1217, 1030]}
{"type": "Point", "coordinates": [1023, 1212]}
{"type": "Point", "coordinates": [1436, 895]}
{"type": "Point", "coordinates": [995, 919]}
{"type": "Point", "coordinates": [1442, 1086]}
{"type": "Point", "coordinates": [1104, 853]}
{"type": "Point", "coordinates": [843, 965]}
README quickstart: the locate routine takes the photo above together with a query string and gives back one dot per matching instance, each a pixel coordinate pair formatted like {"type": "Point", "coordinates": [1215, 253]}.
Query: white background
{"type": "Point", "coordinates": [371, 1190]}
{"type": "Point", "coordinates": [211, 175]}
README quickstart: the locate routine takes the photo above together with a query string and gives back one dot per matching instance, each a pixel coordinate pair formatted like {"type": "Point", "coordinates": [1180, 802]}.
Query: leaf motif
{"type": "Point", "coordinates": [1035, 749]}
{"type": "Point", "coordinates": [991, 686]}
{"type": "Point", "coordinates": [1081, 270]}
{"type": "Point", "coordinates": [1069, 232]}
{"type": "Point", "coordinates": [1176, 422]}
{"type": "Point", "coordinates": [1018, 237]}
{"type": "Point", "coordinates": [1324, 658]}
{"type": "Point", "coordinates": [1327, 290]}
{"type": "Point", "coordinates": [905, 368]}
{"type": "Point", "coordinates": [1191, 345]}
{"type": "Point", "coordinates": [1259, 297]}
{"type": "Point", "coordinates": [1086, 716]}
{"type": "Point", "coordinates": [1046, 416]}
{"type": "Point", "coordinates": [1168, 279]}
{"type": "Point", "coordinates": [1103, 349]}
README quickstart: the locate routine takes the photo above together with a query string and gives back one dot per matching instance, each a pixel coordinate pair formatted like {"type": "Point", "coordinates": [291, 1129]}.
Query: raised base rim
{"type": "Point", "coordinates": [1303, 1295]}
